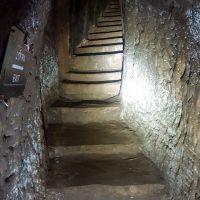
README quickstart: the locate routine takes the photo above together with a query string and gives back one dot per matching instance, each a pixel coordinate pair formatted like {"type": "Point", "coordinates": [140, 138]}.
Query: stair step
{"type": "Point", "coordinates": [88, 103]}
{"type": "Point", "coordinates": [97, 63]}
{"type": "Point", "coordinates": [109, 192]}
{"type": "Point", "coordinates": [83, 115]}
{"type": "Point", "coordinates": [92, 77]}
{"type": "Point", "coordinates": [102, 42]}
{"type": "Point", "coordinates": [108, 10]}
{"type": "Point", "coordinates": [109, 19]}
{"type": "Point", "coordinates": [91, 134]}
{"type": "Point", "coordinates": [81, 92]}
{"type": "Point", "coordinates": [114, 6]}
{"type": "Point", "coordinates": [114, 3]}
{"type": "Point", "coordinates": [105, 152]}
{"type": "Point", "coordinates": [96, 36]}
{"type": "Point", "coordinates": [79, 171]}
{"type": "Point", "coordinates": [105, 29]}
{"type": "Point", "coordinates": [105, 24]}
{"type": "Point", "coordinates": [112, 14]}
{"type": "Point", "coordinates": [99, 50]}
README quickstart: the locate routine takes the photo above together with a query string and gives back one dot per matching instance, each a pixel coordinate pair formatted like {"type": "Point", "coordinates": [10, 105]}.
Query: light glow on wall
{"type": "Point", "coordinates": [146, 99]}
{"type": "Point", "coordinates": [137, 89]}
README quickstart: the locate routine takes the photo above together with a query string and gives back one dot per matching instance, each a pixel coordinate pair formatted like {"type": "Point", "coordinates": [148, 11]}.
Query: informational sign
{"type": "Point", "coordinates": [16, 65]}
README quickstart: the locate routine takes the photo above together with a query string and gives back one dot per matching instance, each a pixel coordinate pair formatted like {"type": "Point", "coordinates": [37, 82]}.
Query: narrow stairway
{"type": "Point", "coordinates": [93, 154]}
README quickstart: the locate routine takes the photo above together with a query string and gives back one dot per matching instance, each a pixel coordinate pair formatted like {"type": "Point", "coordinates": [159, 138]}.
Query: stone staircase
{"type": "Point", "coordinates": [93, 154]}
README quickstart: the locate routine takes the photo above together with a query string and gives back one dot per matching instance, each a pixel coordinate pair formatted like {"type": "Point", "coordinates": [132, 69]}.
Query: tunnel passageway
{"type": "Point", "coordinates": [93, 154]}
{"type": "Point", "coordinates": [99, 100]}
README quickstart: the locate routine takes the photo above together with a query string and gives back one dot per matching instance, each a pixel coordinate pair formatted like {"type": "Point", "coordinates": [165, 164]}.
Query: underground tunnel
{"type": "Point", "coordinates": [100, 100]}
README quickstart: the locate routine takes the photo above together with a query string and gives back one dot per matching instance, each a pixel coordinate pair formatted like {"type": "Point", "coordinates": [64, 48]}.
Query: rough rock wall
{"type": "Point", "coordinates": [22, 149]}
{"type": "Point", "coordinates": [49, 67]}
{"type": "Point", "coordinates": [161, 87]}
{"type": "Point", "coordinates": [60, 31]}
{"type": "Point", "coordinates": [49, 74]}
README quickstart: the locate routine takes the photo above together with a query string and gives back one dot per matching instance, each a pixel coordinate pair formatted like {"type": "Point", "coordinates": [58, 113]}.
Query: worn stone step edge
{"type": "Point", "coordinates": [110, 103]}
{"type": "Point", "coordinates": [60, 115]}
{"type": "Point", "coordinates": [137, 192]}
{"type": "Point", "coordinates": [95, 64]}
{"type": "Point", "coordinates": [110, 19]}
{"type": "Point", "coordinates": [108, 10]}
{"type": "Point", "coordinates": [111, 14]}
{"type": "Point", "coordinates": [110, 41]}
{"type": "Point", "coordinates": [118, 48]}
{"type": "Point", "coordinates": [90, 91]}
{"type": "Point", "coordinates": [114, 6]}
{"type": "Point", "coordinates": [90, 82]}
{"type": "Point", "coordinates": [95, 30]}
{"type": "Point", "coordinates": [114, 3]}
{"type": "Point", "coordinates": [112, 10]}
{"type": "Point", "coordinates": [61, 103]}
{"type": "Point", "coordinates": [95, 77]}
{"type": "Point", "coordinates": [109, 24]}
{"type": "Point", "coordinates": [94, 36]}
{"type": "Point", "coordinates": [105, 151]}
